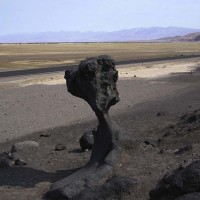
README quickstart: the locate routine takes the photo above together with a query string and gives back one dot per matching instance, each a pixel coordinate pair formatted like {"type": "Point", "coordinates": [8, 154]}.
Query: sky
{"type": "Point", "coordinates": [19, 16]}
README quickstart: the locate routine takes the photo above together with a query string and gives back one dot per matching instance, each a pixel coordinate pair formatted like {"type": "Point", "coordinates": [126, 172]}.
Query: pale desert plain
{"type": "Point", "coordinates": [153, 96]}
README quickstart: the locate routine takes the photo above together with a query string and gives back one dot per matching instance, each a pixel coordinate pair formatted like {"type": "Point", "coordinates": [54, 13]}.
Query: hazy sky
{"type": "Point", "coordinates": [95, 15]}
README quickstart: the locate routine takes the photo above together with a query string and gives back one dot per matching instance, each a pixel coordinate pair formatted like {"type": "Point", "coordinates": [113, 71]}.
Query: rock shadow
{"type": "Point", "coordinates": [28, 177]}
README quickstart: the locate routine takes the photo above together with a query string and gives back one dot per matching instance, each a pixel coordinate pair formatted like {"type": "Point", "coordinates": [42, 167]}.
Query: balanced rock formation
{"type": "Point", "coordinates": [95, 82]}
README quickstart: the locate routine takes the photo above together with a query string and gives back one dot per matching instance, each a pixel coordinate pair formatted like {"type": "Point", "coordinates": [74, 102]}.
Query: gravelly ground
{"type": "Point", "coordinates": [28, 111]}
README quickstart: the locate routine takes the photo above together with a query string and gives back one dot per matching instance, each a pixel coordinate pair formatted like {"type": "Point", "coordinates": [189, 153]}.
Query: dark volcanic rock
{"type": "Point", "coordinates": [95, 81]}
{"type": "Point", "coordinates": [45, 134]}
{"type": "Point", "coordinates": [152, 142]}
{"type": "Point", "coordinates": [25, 146]}
{"type": "Point", "coordinates": [161, 114]}
{"type": "Point", "coordinates": [60, 147]}
{"type": "Point", "coordinates": [114, 188]}
{"type": "Point", "coordinates": [87, 140]}
{"type": "Point", "coordinates": [20, 162]}
{"type": "Point", "coordinates": [190, 196]}
{"type": "Point", "coordinates": [6, 160]}
{"type": "Point", "coordinates": [7, 155]}
{"type": "Point", "coordinates": [179, 182]}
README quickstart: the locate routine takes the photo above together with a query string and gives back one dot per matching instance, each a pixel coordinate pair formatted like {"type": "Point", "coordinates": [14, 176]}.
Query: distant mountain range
{"type": "Point", "coordinates": [192, 37]}
{"type": "Point", "coordinates": [136, 34]}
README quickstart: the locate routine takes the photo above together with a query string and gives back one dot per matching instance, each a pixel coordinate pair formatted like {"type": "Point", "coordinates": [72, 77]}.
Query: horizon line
{"type": "Point", "coordinates": [105, 31]}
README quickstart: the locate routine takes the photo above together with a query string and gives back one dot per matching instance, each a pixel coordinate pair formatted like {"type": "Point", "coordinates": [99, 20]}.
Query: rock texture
{"type": "Point", "coordinates": [60, 147]}
{"type": "Point", "coordinates": [87, 140]}
{"type": "Point", "coordinates": [20, 162]}
{"type": "Point", "coordinates": [179, 182]}
{"type": "Point", "coordinates": [114, 188]}
{"type": "Point", "coordinates": [191, 196]}
{"type": "Point", "coordinates": [6, 160]}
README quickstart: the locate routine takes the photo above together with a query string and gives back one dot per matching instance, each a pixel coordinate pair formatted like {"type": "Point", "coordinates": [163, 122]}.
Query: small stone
{"type": "Point", "coordinates": [6, 160]}
{"type": "Point", "coordinates": [50, 162]}
{"type": "Point", "coordinates": [60, 147]}
{"type": "Point", "coordinates": [24, 146]}
{"type": "Point", "coordinates": [45, 134]}
{"type": "Point", "coordinates": [160, 114]}
{"type": "Point", "coordinates": [7, 155]}
{"type": "Point", "coordinates": [20, 162]}
{"type": "Point", "coordinates": [87, 140]}
{"type": "Point", "coordinates": [161, 151]}
{"type": "Point", "coordinates": [183, 149]}
{"type": "Point", "coordinates": [152, 142]}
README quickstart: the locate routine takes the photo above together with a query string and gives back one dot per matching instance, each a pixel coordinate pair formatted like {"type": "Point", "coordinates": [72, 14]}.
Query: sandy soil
{"type": "Point", "coordinates": [147, 70]}
{"type": "Point", "coordinates": [34, 105]}
{"type": "Point", "coordinates": [157, 70]}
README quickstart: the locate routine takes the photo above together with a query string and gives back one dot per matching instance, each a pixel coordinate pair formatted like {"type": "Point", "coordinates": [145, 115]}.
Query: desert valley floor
{"type": "Point", "coordinates": [153, 97]}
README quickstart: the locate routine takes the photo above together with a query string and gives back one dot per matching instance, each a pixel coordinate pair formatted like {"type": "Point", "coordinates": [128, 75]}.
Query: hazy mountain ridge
{"type": "Point", "coordinates": [136, 34]}
{"type": "Point", "coordinates": [192, 37]}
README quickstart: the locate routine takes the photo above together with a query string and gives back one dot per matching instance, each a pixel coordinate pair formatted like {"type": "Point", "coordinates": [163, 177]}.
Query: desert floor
{"type": "Point", "coordinates": [36, 104]}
